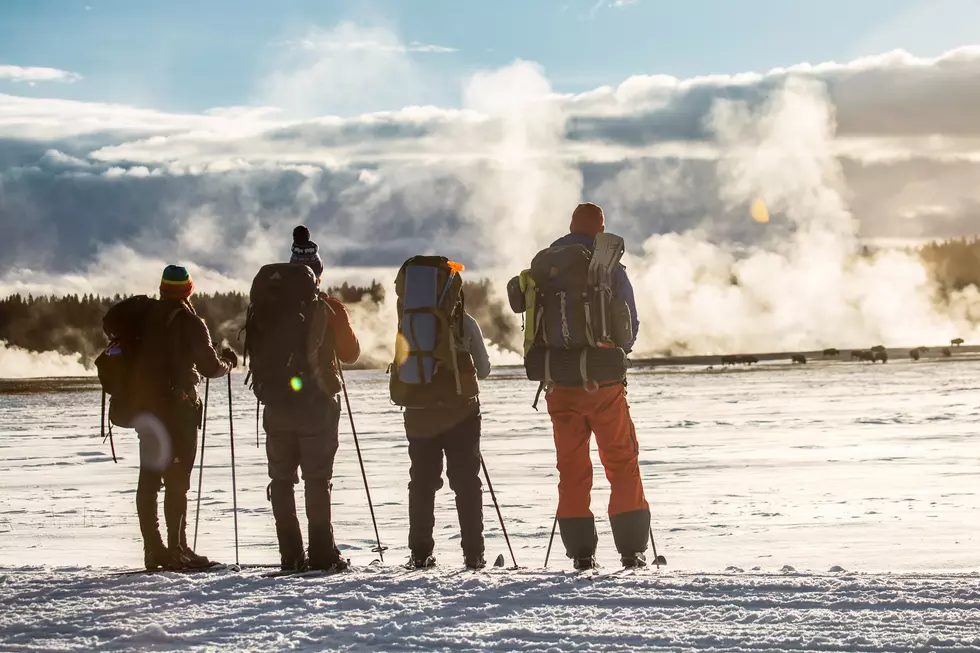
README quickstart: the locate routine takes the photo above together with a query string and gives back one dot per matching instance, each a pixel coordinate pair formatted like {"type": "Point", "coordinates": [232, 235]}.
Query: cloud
{"type": "Point", "coordinates": [34, 74]}
{"type": "Point", "coordinates": [345, 70]}
{"type": "Point", "coordinates": [879, 148]}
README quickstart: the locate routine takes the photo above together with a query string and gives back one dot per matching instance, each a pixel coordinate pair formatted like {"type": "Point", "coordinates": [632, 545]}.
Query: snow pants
{"type": "Point", "coordinates": [168, 448]}
{"type": "Point", "coordinates": [460, 443]}
{"type": "Point", "coordinates": [576, 415]}
{"type": "Point", "coordinates": [306, 440]}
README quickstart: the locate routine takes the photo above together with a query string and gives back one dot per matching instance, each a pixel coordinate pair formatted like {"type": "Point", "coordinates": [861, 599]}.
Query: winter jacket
{"type": "Point", "coordinates": [621, 286]}
{"type": "Point", "coordinates": [339, 339]}
{"type": "Point", "coordinates": [188, 340]}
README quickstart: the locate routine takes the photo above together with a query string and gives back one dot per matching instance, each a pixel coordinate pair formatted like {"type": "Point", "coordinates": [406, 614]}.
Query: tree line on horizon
{"type": "Point", "coordinates": [72, 324]}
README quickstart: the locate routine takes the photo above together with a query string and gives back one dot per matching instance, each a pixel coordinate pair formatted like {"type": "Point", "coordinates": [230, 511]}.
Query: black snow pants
{"type": "Point", "coordinates": [168, 448]}
{"type": "Point", "coordinates": [459, 440]}
{"type": "Point", "coordinates": [306, 439]}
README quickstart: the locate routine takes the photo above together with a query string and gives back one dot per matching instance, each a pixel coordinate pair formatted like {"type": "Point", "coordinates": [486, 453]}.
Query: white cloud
{"type": "Point", "coordinates": [345, 70]}
{"type": "Point", "coordinates": [34, 74]}
{"type": "Point", "coordinates": [884, 146]}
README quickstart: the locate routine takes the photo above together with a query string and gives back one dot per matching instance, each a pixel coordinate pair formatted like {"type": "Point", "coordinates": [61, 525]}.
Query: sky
{"type": "Point", "coordinates": [133, 135]}
{"type": "Point", "coordinates": [189, 56]}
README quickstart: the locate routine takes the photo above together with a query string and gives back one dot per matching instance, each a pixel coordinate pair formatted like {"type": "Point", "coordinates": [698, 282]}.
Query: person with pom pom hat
{"type": "Point", "coordinates": [302, 425]}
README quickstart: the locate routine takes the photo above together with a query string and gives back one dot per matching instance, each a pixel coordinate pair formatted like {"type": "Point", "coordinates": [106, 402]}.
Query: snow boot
{"type": "Point", "coordinates": [475, 562]}
{"type": "Point", "coordinates": [634, 561]}
{"type": "Point", "coordinates": [586, 562]}
{"type": "Point", "coordinates": [331, 564]}
{"type": "Point", "coordinates": [424, 561]}
{"type": "Point", "coordinates": [155, 554]}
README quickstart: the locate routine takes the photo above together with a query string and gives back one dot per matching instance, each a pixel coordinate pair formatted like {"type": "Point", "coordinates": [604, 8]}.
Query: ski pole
{"type": "Point", "coordinates": [200, 473]}
{"type": "Point", "coordinates": [554, 527]}
{"type": "Point", "coordinates": [234, 488]}
{"type": "Point", "coordinates": [257, 408]}
{"type": "Point", "coordinates": [657, 560]}
{"type": "Point", "coordinates": [343, 384]}
{"type": "Point", "coordinates": [500, 515]}
{"type": "Point", "coordinates": [112, 443]}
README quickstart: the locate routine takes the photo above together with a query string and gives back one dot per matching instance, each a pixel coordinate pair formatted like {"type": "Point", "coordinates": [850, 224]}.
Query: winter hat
{"type": "Point", "coordinates": [176, 283]}
{"type": "Point", "coordinates": [587, 220]}
{"type": "Point", "coordinates": [306, 251]}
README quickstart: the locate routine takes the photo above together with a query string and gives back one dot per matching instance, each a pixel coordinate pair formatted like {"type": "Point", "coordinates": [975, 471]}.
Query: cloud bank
{"type": "Point", "coordinates": [98, 196]}
{"type": "Point", "coordinates": [37, 74]}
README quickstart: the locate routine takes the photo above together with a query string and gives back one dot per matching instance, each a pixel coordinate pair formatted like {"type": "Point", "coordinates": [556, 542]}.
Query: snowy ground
{"type": "Point", "coordinates": [766, 486]}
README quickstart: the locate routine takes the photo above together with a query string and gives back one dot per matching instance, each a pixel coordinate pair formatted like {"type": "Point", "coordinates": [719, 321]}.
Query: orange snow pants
{"type": "Point", "coordinates": [576, 415]}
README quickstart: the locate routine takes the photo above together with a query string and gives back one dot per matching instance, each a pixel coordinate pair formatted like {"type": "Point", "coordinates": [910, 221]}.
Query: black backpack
{"type": "Point", "coordinates": [284, 330]}
{"type": "Point", "coordinates": [432, 369]}
{"type": "Point", "coordinates": [134, 372]}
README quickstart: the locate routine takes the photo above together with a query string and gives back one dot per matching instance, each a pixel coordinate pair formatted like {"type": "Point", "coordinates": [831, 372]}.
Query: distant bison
{"type": "Point", "coordinates": [877, 349]}
{"type": "Point", "coordinates": [729, 360]}
{"type": "Point", "coordinates": [946, 352]}
{"type": "Point", "coordinates": [956, 342]}
{"type": "Point", "coordinates": [831, 353]}
{"type": "Point", "coordinates": [799, 358]}
{"type": "Point", "coordinates": [915, 354]}
{"type": "Point", "coordinates": [748, 360]}
{"type": "Point", "coordinates": [865, 356]}
{"type": "Point", "coordinates": [881, 357]}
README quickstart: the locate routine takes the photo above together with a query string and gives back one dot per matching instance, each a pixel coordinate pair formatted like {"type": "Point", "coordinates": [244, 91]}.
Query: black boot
{"type": "Point", "coordinates": [579, 536]}
{"type": "Point", "coordinates": [421, 561]}
{"type": "Point", "coordinates": [291, 554]}
{"type": "Point", "coordinates": [323, 553]}
{"type": "Point", "coordinates": [475, 561]}
{"type": "Point", "coordinates": [175, 512]}
{"type": "Point", "coordinates": [155, 554]}
{"type": "Point", "coordinates": [634, 561]}
{"type": "Point", "coordinates": [585, 562]}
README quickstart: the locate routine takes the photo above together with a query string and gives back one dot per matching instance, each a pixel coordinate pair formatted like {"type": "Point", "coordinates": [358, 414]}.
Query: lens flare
{"type": "Point", "coordinates": [759, 211]}
{"type": "Point", "coordinates": [401, 349]}
{"type": "Point", "coordinates": [296, 383]}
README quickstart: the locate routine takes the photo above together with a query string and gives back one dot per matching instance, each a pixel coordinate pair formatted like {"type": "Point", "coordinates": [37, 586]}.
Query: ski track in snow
{"type": "Point", "coordinates": [865, 479]}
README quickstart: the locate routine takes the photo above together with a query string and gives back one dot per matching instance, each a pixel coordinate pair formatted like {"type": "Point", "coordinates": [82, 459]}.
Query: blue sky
{"type": "Point", "coordinates": [190, 55]}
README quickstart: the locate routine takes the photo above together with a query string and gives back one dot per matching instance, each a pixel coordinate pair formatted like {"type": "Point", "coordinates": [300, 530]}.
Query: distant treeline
{"type": "Point", "coordinates": [954, 264]}
{"type": "Point", "coordinates": [72, 324]}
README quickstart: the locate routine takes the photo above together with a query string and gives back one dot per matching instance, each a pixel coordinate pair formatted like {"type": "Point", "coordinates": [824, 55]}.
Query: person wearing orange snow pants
{"type": "Point", "coordinates": [582, 316]}
{"type": "Point", "coordinates": [576, 415]}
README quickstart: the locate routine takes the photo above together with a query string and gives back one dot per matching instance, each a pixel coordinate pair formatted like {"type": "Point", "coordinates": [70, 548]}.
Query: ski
{"type": "Point", "coordinates": [214, 566]}
{"type": "Point", "coordinates": [308, 573]}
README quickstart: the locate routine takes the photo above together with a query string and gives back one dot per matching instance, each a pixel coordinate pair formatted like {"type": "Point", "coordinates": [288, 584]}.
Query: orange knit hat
{"type": "Point", "coordinates": [587, 220]}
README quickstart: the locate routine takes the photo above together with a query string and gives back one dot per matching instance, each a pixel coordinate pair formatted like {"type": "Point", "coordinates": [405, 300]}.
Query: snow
{"type": "Point", "coordinates": [827, 508]}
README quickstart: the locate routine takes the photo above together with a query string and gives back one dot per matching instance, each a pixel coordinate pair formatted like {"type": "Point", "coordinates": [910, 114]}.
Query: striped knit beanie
{"type": "Point", "coordinates": [306, 251]}
{"type": "Point", "coordinates": [176, 283]}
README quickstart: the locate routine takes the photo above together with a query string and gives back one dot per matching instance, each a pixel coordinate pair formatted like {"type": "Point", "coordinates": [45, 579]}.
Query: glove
{"type": "Point", "coordinates": [230, 357]}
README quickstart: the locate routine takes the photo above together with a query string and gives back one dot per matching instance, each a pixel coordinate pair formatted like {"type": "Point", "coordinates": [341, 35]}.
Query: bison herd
{"type": "Point", "coordinates": [877, 354]}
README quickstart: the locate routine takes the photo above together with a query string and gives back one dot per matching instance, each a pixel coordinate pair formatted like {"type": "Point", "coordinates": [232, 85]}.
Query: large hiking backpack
{"type": "Point", "coordinates": [433, 370]}
{"type": "Point", "coordinates": [576, 329]}
{"type": "Point", "coordinates": [134, 369]}
{"type": "Point", "coordinates": [284, 330]}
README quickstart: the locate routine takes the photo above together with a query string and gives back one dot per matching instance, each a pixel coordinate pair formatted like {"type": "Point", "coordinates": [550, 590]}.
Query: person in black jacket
{"type": "Point", "coordinates": [177, 351]}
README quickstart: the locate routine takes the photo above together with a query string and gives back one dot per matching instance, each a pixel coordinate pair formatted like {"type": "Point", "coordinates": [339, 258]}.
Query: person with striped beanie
{"type": "Point", "coordinates": [176, 283]}
{"type": "Point", "coordinates": [175, 352]}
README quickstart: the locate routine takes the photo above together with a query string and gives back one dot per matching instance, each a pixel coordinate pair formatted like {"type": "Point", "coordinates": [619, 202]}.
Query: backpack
{"type": "Point", "coordinates": [429, 367]}
{"type": "Point", "coordinates": [285, 326]}
{"type": "Point", "coordinates": [133, 369]}
{"type": "Point", "coordinates": [576, 330]}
